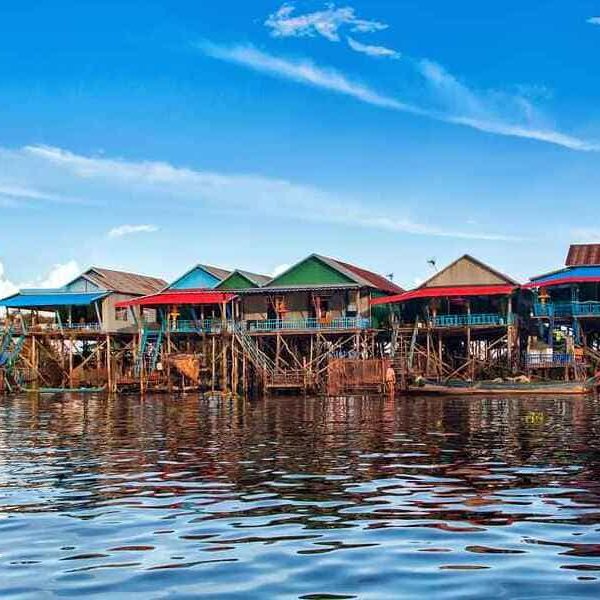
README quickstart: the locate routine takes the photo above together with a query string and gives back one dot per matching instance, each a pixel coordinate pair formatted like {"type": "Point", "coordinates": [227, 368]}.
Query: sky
{"type": "Point", "coordinates": [152, 135]}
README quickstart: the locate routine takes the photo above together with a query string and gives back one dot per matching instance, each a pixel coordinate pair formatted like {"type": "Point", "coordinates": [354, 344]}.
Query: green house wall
{"type": "Point", "coordinates": [236, 282]}
{"type": "Point", "coordinates": [311, 271]}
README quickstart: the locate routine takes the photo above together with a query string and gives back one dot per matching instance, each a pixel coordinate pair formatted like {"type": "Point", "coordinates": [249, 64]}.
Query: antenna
{"type": "Point", "coordinates": [432, 262]}
{"type": "Point", "coordinates": [390, 276]}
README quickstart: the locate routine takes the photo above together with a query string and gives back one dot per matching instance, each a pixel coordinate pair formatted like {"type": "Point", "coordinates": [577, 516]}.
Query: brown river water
{"type": "Point", "coordinates": [184, 497]}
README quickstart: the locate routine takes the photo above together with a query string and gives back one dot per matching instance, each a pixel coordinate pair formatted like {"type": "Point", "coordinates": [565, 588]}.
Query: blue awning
{"type": "Point", "coordinates": [51, 300]}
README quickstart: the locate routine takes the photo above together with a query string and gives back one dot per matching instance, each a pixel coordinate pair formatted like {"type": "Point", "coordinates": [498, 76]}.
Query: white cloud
{"type": "Point", "coordinates": [505, 115]}
{"type": "Point", "coordinates": [279, 269]}
{"type": "Point", "coordinates": [122, 230]}
{"type": "Point", "coordinates": [326, 23]}
{"type": "Point", "coordinates": [159, 182]}
{"type": "Point", "coordinates": [57, 276]}
{"type": "Point", "coordinates": [585, 235]}
{"type": "Point", "coordinates": [7, 287]}
{"type": "Point", "coordinates": [374, 51]}
{"type": "Point", "coordinates": [593, 21]}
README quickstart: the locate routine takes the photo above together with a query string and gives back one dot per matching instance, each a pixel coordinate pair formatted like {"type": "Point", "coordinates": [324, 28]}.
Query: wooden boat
{"type": "Point", "coordinates": [48, 390]}
{"type": "Point", "coordinates": [504, 388]}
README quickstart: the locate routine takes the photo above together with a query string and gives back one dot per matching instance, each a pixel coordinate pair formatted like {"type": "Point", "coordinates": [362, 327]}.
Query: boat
{"type": "Point", "coordinates": [455, 387]}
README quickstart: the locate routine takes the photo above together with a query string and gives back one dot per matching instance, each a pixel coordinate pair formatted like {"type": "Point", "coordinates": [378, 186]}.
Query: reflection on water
{"type": "Point", "coordinates": [341, 498]}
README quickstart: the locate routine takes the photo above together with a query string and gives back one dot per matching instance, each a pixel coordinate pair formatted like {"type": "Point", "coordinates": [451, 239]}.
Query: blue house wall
{"type": "Point", "coordinates": [196, 278]}
{"type": "Point", "coordinates": [82, 285]}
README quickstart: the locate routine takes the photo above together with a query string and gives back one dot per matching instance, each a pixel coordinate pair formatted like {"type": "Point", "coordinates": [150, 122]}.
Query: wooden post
{"type": "Point", "coordinates": [109, 364]}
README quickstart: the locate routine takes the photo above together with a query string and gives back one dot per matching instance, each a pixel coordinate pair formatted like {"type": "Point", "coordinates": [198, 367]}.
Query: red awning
{"type": "Point", "coordinates": [179, 297]}
{"type": "Point", "coordinates": [560, 281]}
{"type": "Point", "coordinates": [447, 292]}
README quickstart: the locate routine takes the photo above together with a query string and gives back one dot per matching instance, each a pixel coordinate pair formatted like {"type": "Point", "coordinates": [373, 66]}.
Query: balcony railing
{"type": "Point", "coordinates": [466, 320]}
{"type": "Point", "coordinates": [309, 323]}
{"type": "Point", "coordinates": [566, 309]}
{"type": "Point", "coordinates": [201, 326]}
{"type": "Point", "coordinates": [544, 359]}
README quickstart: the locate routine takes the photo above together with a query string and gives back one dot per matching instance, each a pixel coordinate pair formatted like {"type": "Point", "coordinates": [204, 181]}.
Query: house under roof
{"type": "Point", "coordinates": [242, 280]}
{"type": "Point", "coordinates": [119, 281]}
{"type": "Point", "coordinates": [582, 266]}
{"type": "Point", "coordinates": [92, 285]}
{"type": "Point", "coordinates": [200, 277]}
{"type": "Point", "coordinates": [466, 276]}
{"type": "Point", "coordinates": [318, 272]}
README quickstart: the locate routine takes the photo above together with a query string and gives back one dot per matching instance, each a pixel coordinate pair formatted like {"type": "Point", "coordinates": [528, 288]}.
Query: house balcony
{"type": "Point", "coordinates": [472, 320]}
{"type": "Point", "coordinates": [566, 309]}
{"type": "Point", "coordinates": [201, 326]}
{"type": "Point", "coordinates": [543, 360]}
{"type": "Point", "coordinates": [311, 324]}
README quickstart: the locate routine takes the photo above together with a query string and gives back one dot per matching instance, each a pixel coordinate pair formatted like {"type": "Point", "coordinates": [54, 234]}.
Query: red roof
{"type": "Point", "coordinates": [378, 281]}
{"type": "Point", "coordinates": [583, 254]}
{"type": "Point", "coordinates": [180, 297]}
{"type": "Point", "coordinates": [448, 292]}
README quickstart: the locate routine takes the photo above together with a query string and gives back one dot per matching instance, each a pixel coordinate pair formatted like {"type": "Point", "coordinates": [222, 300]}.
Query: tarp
{"type": "Point", "coordinates": [179, 297]}
{"type": "Point", "coordinates": [447, 292]}
{"type": "Point", "coordinates": [51, 300]}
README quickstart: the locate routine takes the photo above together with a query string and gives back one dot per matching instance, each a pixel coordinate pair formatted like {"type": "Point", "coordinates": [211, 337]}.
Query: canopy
{"type": "Point", "coordinates": [179, 297]}
{"type": "Point", "coordinates": [51, 300]}
{"type": "Point", "coordinates": [447, 292]}
{"type": "Point", "coordinates": [566, 276]}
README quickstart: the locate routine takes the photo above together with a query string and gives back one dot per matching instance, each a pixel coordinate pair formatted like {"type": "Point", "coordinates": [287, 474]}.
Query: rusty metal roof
{"type": "Point", "coordinates": [583, 255]}
{"type": "Point", "coordinates": [126, 283]}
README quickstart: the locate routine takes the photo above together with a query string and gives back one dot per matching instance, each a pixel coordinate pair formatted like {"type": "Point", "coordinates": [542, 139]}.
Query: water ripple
{"type": "Point", "coordinates": [302, 498]}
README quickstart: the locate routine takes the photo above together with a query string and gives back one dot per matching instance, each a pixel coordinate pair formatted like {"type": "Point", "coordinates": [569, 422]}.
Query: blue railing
{"type": "Point", "coordinates": [542, 359]}
{"type": "Point", "coordinates": [473, 319]}
{"type": "Point", "coordinates": [310, 323]}
{"type": "Point", "coordinates": [566, 309]}
{"type": "Point", "coordinates": [201, 326]}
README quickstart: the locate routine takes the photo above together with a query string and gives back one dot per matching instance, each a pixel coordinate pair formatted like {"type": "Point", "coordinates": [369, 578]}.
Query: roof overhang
{"type": "Point", "coordinates": [447, 292]}
{"type": "Point", "coordinates": [169, 298]}
{"type": "Point", "coordinates": [51, 301]}
{"type": "Point", "coordinates": [561, 281]}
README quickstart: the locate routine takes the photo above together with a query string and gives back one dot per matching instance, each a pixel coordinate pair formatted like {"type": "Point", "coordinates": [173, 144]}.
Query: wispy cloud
{"type": "Point", "coordinates": [326, 23]}
{"type": "Point", "coordinates": [374, 51]}
{"type": "Point", "coordinates": [17, 193]}
{"type": "Point", "coordinates": [593, 21]}
{"type": "Point", "coordinates": [585, 235]}
{"type": "Point", "coordinates": [158, 181]}
{"type": "Point", "coordinates": [456, 103]}
{"type": "Point", "coordinates": [123, 230]}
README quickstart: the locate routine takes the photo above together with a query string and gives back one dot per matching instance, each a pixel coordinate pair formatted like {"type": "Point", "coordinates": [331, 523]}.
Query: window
{"type": "Point", "coordinates": [121, 314]}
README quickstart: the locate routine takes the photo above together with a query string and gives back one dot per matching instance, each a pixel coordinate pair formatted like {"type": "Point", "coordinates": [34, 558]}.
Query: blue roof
{"type": "Point", "coordinates": [50, 299]}
{"type": "Point", "coordinates": [569, 273]}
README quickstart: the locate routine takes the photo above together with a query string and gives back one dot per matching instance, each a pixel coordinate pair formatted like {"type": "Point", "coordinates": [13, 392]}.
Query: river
{"type": "Point", "coordinates": [186, 497]}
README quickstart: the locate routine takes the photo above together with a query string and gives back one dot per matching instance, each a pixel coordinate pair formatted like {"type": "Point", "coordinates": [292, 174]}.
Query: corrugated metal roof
{"type": "Point", "coordinates": [256, 278]}
{"type": "Point", "coordinates": [51, 299]}
{"type": "Point", "coordinates": [568, 275]}
{"type": "Point", "coordinates": [583, 254]}
{"type": "Point", "coordinates": [180, 297]}
{"type": "Point", "coordinates": [124, 282]}
{"type": "Point", "coordinates": [447, 292]}
{"type": "Point", "coordinates": [377, 281]}
{"type": "Point", "coordinates": [218, 272]}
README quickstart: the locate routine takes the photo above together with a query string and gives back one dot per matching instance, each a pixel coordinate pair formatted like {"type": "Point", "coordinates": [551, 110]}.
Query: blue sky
{"type": "Point", "coordinates": [153, 135]}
